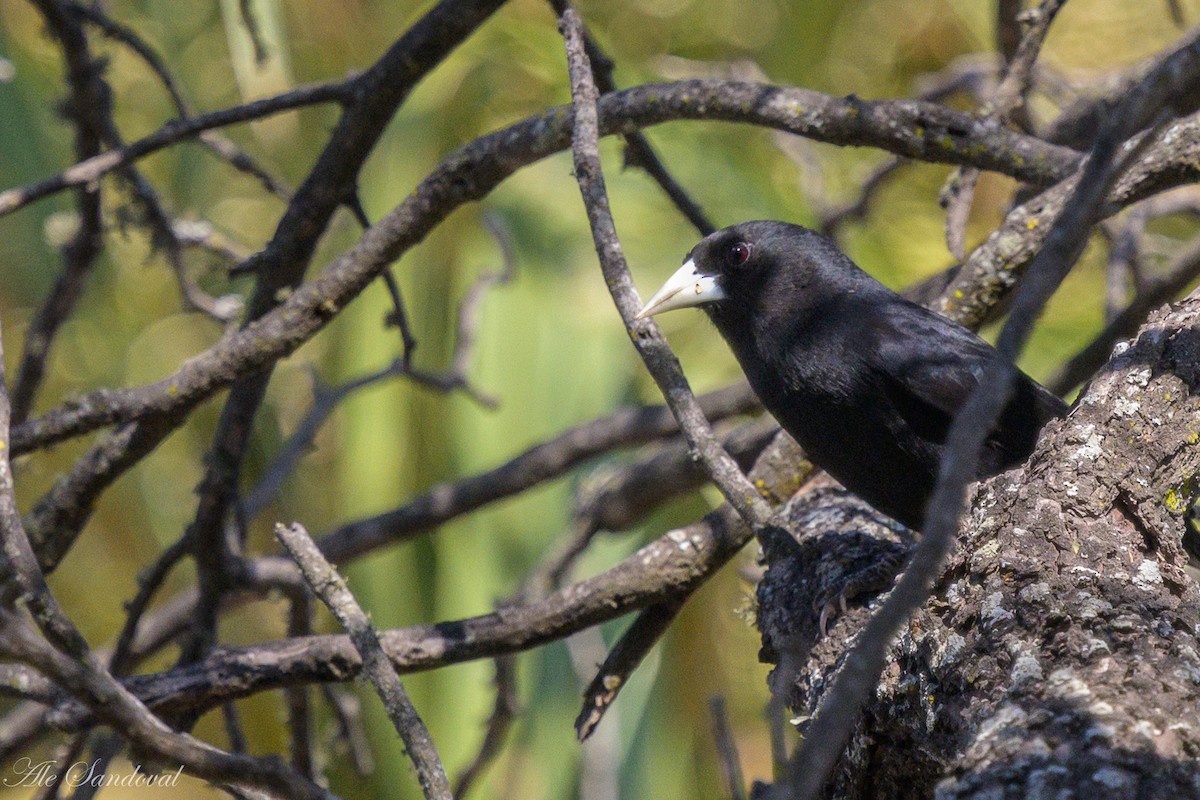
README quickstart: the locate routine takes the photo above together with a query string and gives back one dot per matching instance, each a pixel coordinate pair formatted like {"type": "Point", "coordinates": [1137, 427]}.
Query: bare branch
{"type": "Point", "coordinates": [148, 585]}
{"type": "Point", "coordinates": [93, 108]}
{"type": "Point", "coordinates": [299, 708]}
{"type": "Point", "coordinates": [233, 727]}
{"type": "Point", "coordinates": [57, 518]}
{"type": "Point", "coordinates": [96, 167]}
{"type": "Point", "coordinates": [647, 338]}
{"type": "Point", "coordinates": [215, 141]}
{"type": "Point", "coordinates": [1008, 27]}
{"type": "Point", "coordinates": [1007, 103]}
{"type": "Point", "coordinates": [633, 646]}
{"type": "Point", "coordinates": [994, 267]}
{"type": "Point", "coordinates": [80, 673]}
{"type": "Point", "coordinates": [616, 497]}
{"type": "Point", "coordinates": [254, 31]}
{"type": "Point", "coordinates": [24, 725]}
{"type": "Point", "coordinates": [1079, 124]}
{"type": "Point", "coordinates": [201, 234]}
{"type": "Point", "coordinates": [399, 318]}
{"type": "Point", "coordinates": [674, 564]}
{"type": "Point", "coordinates": [731, 767]}
{"type": "Point", "coordinates": [956, 197]}
{"type": "Point", "coordinates": [329, 586]}
{"type": "Point", "coordinates": [64, 758]}
{"type": "Point", "coordinates": [638, 150]}
{"type": "Point", "coordinates": [89, 100]}
{"type": "Point", "coordinates": [105, 747]}
{"type": "Point", "coordinates": [327, 399]}
{"type": "Point", "coordinates": [832, 219]}
{"type": "Point", "coordinates": [1182, 273]}
{"type": "Point", "coordinates": [1009, 98]}
{"type": "Point", "coordinates": [541, 462]}
{"type": "Point", "coordinates": [653, 622]}
{"type": "Point", "coordinates": [348, 712]}
{"type": "Point", "coordinates": [504, 714]}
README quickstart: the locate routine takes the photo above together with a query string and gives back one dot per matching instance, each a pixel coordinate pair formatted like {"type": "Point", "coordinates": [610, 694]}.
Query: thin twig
{"type": "Point", "coordinates": [96, 167]}
{"type": "Point", "coordinates": [203, 235]}
{"type": "Point", "coordinates": [956, 197]}
{"type": "Point", "coordinates": [105, 748]}
{"type": "Point", "coordinates": [95, 110]}
{"type": "Point", "coordinates": [24, 725]}
{"type": "Point", "coordinates": [1079, 123]}
{"type": "Point", "coordinates": [834, 217]}
{"type": "Point", "coordinates": [540, 463]}
{"type": "Point", "coordinates": [638, 150]}
{"type": "Point", "coordinates": [218, 143]}
{"type": "Point", "coordinates": [727, 753]}
{"type": "Point", "coordinates": [973, 75]}
{"type": "Point", "coordinates": [253, 31]}
{"type": "Point", "coordinates": [326, 400]}
{"type": "Point", "coordinates": [148, 585]}
{"type": "Point", "coordinates": [399, 318]}
{"type": "Point", "coordinates": [90, 99]}
{"type": "Point", "coordinates": [328, 585]}
{"type": "Point", "coordinates": [599, 757]}
{"type": "Point", "coordinates": [347, 711]}
{"type": "Point", "coordinates": [633, 646]}
{"type": "Point", "coordinates": [299, 708]}
{"type": "Point", "coordinates": [504, 714]}
{"type": "Point", "coordinates": [64, 759]}
{"type": "Point", "coordinates": [1182, 272]}
{"type": "Point", "coordinates": [646, 336]}
{"type": "Point", "coordinates": [1129, 246]}
{"type": "Point", "coordinates": [617, 497]}
{"type": "Point", "coordinates": [1019, 69]}
{"type": "Point", "coordinates": [162, 237]}
{"type": "Point", "coordinates": [1006, 104]}
{"type": "Point", "coordinates": [1123, 271]}
{"type": "Point", "coordinates": [233, 727]}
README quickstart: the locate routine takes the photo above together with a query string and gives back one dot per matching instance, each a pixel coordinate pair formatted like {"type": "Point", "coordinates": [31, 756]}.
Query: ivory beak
{"type": "Point", "coordinates": [687, 288]}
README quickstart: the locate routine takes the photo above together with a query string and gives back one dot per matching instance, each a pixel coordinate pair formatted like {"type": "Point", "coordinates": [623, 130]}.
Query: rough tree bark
{"type": "Point", "coordinates": [1058, 656]}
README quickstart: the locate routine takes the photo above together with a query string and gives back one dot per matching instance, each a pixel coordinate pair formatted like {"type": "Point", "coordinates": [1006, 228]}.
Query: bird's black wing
{"type": "Point", "coordinates": [929, 366]}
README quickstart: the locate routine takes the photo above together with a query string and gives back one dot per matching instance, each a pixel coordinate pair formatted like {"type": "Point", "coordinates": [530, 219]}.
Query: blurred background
{"type": "Point", "coordinates": [551, 348]}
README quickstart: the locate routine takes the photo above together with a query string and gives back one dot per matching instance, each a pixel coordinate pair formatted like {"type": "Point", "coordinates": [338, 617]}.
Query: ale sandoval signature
{"type": "Point", "coordinates": [27, 772]}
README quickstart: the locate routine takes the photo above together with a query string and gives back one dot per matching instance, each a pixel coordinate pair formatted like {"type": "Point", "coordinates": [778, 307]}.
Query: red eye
{"type": "Point", "coordinates": [739, 254]}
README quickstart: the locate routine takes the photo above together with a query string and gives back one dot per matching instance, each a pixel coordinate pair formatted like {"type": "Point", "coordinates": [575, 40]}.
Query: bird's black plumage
{"type": "Point", "coordinates": [865, 380]}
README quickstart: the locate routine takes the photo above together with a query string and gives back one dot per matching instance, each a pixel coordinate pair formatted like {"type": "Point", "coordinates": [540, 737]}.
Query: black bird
{"type": "Point", "coordinates": [866, 381]}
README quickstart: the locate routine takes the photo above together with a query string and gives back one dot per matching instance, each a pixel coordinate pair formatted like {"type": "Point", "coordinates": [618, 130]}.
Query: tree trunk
{"type": "Point", "coordinates": [1058, 655]}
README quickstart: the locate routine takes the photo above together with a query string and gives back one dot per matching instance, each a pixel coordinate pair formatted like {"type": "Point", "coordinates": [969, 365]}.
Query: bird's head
{"type": "Point", "coordinates": [734, 271]}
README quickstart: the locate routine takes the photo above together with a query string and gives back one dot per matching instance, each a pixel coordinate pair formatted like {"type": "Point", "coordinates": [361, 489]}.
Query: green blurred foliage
{"type": "Point", "coordinates": [550, 346]}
